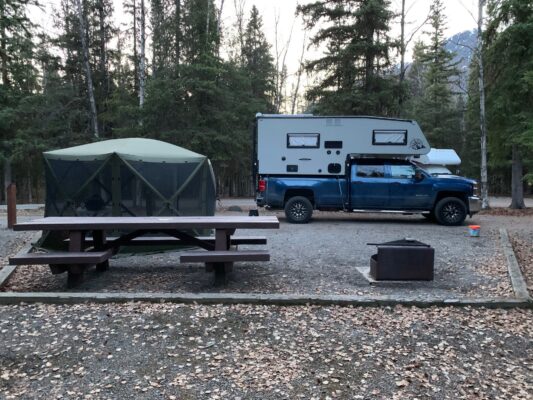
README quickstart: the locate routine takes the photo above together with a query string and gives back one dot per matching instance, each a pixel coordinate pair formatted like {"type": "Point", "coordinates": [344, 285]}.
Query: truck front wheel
{"type": "Point", "coordinates": [298, 210]}
{"type": "Point", "coordinates": [450, 211]}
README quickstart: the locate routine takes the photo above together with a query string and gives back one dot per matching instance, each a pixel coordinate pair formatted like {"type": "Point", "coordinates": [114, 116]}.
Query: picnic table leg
{"type": "Point", "coordinates": [75, 271]}
{"type": "Point", "coordinates": [222, 269]}
{"type": "Point", "coordinates": [99, 241]}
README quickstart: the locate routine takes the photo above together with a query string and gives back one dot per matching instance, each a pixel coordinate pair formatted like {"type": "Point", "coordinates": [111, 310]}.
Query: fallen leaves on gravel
{"type": "Point", "coordinates": [154, 351]}
{"type": "Point", "coordinates": [506, 211]}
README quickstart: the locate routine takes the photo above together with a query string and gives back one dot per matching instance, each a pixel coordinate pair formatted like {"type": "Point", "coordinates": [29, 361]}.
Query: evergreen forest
{"type": "Point", "coordinates": [178, 72]}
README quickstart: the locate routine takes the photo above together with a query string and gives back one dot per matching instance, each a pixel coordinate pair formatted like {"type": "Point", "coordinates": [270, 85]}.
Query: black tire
{"type": "Point", "coordinates": [298, 210]}
{"type": "Point", "coordinates": [450, 211]}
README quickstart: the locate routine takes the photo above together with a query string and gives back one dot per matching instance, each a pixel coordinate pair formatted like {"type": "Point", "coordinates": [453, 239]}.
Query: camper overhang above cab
{"type": "Point", "coordinates": [317, 145]}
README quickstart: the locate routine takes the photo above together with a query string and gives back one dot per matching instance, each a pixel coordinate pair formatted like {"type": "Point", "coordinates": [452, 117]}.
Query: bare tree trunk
{"type": "Point", "coordinates": [239, 12]}
{"type": "Point", "coordinates": [207, 23]}
{"type": "Point", "coordinates": [7, 175]}
{"type": "Point", "coordinates": [135, 54]}
{"type": "Point", "coordinates": [517, 187]}
{"type": "Point", "coordinates": [298, 75]}
{"type": "Point", "coordinates": [104, 84]}
{"type": "Point", "coordinates": [29, 186]}
{"type": "Point", "coordinates": [142, 66]}
{"type": "Point", "coordinates": [281, 68]}
{"type": "Point", "coordinates": [3, 46]}
{"type": "Point", "coordinates": [87, 67]}
{"type": "Point", "coordinates": [219, 26]}
{"type": "Point", "coordinates": [402, 57]}
{"type": "Point", "coordinates": [482, 122]}
{"type": "Point", "coordinates": [178, 32]}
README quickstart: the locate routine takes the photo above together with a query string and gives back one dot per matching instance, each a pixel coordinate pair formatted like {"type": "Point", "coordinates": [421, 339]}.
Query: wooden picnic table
{"type": "Point", "coordinates": [84, 250]}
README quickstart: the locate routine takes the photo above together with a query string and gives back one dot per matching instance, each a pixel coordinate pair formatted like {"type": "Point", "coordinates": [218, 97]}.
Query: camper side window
{"type": "Point", "coordinates": [389, 137]}
{"type": "Point", "coordinates": [303, 140]}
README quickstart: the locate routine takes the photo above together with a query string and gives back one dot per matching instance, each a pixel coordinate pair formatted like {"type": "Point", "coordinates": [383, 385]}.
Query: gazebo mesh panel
{"type": "Point", "coordinates": [115, 184]}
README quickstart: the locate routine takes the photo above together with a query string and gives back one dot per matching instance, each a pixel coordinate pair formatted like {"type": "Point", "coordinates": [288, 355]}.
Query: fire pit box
{"type": "Point", "coordinates": [405, 259]}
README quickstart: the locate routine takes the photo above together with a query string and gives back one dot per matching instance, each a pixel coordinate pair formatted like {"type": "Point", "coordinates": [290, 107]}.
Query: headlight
{"type": "Point", "coordinates": [476, 189]}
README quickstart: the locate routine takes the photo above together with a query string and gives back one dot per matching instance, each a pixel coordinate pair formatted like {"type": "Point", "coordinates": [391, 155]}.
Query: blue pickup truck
{"type": "Point", "coordinates": [372, 184]}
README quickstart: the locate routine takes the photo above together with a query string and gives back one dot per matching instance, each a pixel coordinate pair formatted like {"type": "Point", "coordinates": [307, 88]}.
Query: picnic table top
{"type": "Point", "coordinates": [109, 223]}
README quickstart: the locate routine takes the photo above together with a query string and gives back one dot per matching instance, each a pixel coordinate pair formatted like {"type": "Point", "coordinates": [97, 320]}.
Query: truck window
{"type": "Point", "coordinates": [370, 171]}
{"type": "Point", "coordinates": [303, 140]}
{"type": "Point", "coordinates": [402, 171]}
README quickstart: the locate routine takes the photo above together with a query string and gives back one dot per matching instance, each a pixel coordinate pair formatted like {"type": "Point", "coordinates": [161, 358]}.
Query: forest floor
{"type": "Point", "coordinates": [176, 351]}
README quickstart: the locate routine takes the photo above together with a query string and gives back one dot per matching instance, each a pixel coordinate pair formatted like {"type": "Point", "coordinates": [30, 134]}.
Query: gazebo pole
{"type": "Point", "coordinates": [115, 186]}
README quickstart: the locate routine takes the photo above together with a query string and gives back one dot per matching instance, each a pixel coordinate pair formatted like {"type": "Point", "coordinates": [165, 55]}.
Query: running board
{"type": "Point", "coordinates": [410, 212]}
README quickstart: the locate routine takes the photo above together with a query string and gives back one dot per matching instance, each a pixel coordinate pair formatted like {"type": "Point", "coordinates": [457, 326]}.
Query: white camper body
{"type": "Point", "coordinates": [309, 145]}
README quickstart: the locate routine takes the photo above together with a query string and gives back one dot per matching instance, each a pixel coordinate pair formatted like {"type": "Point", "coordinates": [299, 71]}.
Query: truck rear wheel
{"type": "Point", "coordinates": [450, 211]}
{"type": "Point", "coordinates": [298, 210]}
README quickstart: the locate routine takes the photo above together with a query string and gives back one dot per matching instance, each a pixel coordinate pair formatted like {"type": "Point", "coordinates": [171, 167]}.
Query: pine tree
{"type": "Point", "coordinates": [257, 60]}
{"type": "Point", "coordinates": [435, 107]}
{"type": "Point", "coordinates": [355, 35]}
{"type": "Point", "coordinates": [509, 57]}
{"type": "Point", "coordinates": [18, 78]}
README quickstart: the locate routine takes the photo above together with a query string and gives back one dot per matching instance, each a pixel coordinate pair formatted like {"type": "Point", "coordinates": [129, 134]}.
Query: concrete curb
{"type": "Point", "coordinates": [8, 270]}
{"type": "Point", "coordinates": [5, 273]}
{"type": "Point", "coordinates": [515, 273]}
{"type": "Point", "coordinates": [256, 299]}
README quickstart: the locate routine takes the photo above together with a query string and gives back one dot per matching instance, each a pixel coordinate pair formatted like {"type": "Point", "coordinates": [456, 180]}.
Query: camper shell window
{"type": "Point", "coordinates": [389, 137]}
{"type": "Point", "coordinates": [303, 140]}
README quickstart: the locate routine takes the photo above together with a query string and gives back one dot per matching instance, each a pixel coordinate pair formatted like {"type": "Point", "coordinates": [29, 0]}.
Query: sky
{"type": "Point", "coordinates": [460, 17]}
{"type": "Point", "coordinates": [460, 14]}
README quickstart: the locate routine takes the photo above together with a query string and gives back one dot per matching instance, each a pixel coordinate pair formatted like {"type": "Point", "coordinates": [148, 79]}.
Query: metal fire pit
{"type": "Point", "coordinates": [405, 259]}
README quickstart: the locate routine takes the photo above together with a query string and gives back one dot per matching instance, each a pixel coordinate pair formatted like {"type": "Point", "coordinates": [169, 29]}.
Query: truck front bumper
{"type": "Point", "coordinates": [474, 205]}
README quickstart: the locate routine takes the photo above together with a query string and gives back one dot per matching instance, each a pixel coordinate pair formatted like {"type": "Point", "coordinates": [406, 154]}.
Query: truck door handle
{"type": "Point", "coordinates": [357, 182]}
{"type": "Point", "coordinates": [395, 183]}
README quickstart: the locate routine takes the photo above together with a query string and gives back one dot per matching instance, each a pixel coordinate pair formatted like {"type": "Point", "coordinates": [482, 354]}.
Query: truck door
{"type": "Point", "coordinates": [369, 189]}
{"type": "Point", "coordinates": [407, 192]}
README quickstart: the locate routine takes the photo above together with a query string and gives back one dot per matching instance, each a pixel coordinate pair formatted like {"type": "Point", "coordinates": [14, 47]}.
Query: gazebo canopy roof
{"type": "Point", "coordinates": [134, 149]}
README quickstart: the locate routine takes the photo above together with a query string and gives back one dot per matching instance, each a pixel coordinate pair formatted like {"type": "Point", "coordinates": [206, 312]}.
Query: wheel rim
{"type": "Point", "coordinates": [452, 212]}
{"type": "Point", "coordinates": [298, 211]}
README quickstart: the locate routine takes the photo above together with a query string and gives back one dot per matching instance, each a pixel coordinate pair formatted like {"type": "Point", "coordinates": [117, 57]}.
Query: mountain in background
{"type": "Point", "coordinates": [463, 45]}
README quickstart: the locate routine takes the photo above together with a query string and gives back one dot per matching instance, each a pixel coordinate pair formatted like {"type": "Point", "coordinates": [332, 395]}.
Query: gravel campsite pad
{"type": "Point", "coordinates": [316, 258]}
{"type": "Point", "coordinates": [155, 351]}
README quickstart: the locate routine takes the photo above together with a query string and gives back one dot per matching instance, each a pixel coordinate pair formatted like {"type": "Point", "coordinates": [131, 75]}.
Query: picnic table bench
{"type": "Point", "coordinates": [84, 250]}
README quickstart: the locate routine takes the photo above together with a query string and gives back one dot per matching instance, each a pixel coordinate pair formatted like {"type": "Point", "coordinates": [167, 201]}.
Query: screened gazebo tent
{"type": "Point", "coordinates": [128, 177]}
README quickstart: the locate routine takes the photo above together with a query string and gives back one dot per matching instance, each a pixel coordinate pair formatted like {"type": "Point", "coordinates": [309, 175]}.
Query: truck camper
{"type": "Point", "coordinates": [304, 163]}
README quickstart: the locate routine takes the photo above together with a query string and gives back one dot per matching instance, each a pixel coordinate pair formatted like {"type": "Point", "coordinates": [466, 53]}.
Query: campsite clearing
{"type": "Point", "coordinates": [317, 259]}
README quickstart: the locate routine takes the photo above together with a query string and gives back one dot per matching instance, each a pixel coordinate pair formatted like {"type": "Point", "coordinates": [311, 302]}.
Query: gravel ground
{"type": "Point", "coordinates": [464, 266]}
{"type": "Point", "coordinates": [170, 351]}
{"type": "Point", "coordinates": [316, 258]}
